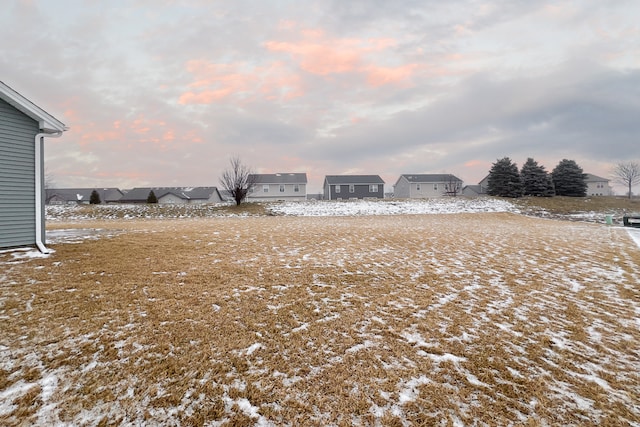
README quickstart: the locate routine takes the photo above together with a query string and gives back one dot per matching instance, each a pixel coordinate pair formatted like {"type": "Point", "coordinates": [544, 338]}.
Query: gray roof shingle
{"type": "Point", "coordinates": [353, 179]}
{"type": "Point", "coordinates": [279, 178]}
{"type": "Point", "coordinates": [140, 194]}
{"type": "Point", "coordinates": [441, 177]}
{"type": "Point", "coordinates": [83, 194]}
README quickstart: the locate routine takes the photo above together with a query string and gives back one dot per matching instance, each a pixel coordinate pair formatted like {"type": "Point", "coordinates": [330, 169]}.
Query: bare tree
{"type": "Point", "coordinates": [237, 180]}
{"type": "Point", "coordinates": [627, 173]}
{"type": "Point", "coordinates": [453, 186]}
{"type": "Point", "coordinates": [49, 185]}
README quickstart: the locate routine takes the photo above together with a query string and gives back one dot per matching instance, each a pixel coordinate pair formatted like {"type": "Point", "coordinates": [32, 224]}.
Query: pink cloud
{"type": "Point", "coordinates": [315, 52]}
{"type": "Point", "coordinates": [126, 133]}
{"type": "Point", "coordinates": [319, 54]}
{"type": "Point", "coordinates": [475, 163]}
{"type": "Point", "coordinates": [378, 76]}
{"type": "Point", "coordinates": [320, 58]}
{"type": "Point", "coordinates": [215, 82]}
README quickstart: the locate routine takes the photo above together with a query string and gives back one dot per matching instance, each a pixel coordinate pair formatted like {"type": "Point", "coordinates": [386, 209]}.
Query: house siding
{"type": "Point", "coordinates": [402, 189]}
{"type": "Point", "coordinates": [423, 189]}
{"type": "Point", "coordinates": [597, 186]}
{"type": "Point", "coordinates": [360, 191]}
{"type": "Point", "coordinates": [17, 177]}
{"type": "Point", "coordinates": [274, 193]}
{"type": "Point", "coordinates": [171, 199]}
{"type": "Point", "coordinates": [272, 182]}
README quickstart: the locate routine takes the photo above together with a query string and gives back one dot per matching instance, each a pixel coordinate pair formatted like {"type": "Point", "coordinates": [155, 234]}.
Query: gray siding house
{"type": "Point", "coordinates": [478, 190]}
{"type": "Point", "coordinates": [338, 187]}
{"type": "Point", "coordinates": [173, 195]}
{"type": "Point", "coordinates": [422, 186]}
{"type": "Point", "coordinates": [278, 186]}
{"type": "Point", "coordinates": [23, 127]}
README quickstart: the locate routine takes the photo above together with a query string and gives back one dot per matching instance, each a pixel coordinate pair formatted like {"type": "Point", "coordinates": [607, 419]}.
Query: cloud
{"type": "Point", "coordinates": [317, 53]}
{"type": "Point", "coordinates": [162, 93]}
{"type": "Point", "coordinates": [574, 111]}
{"type": "Point", "coordinates": [241, 82]}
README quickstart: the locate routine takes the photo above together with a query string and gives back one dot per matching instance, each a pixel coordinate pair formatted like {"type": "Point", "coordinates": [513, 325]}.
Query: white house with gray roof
{"type": "Point", "coordinates": [597, 186]}
{"type": "Point", "coordinates": [23, 127]}
{"type": "Point", "coordinates": [278, 187]}
{"type": "Point", "coordinates": [340, 187]}
{"type": "Point", "coordinates": [423, 186]}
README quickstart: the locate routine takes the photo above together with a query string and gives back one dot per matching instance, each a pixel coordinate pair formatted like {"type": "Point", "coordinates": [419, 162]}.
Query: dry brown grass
{"type": "Point", "coordinates": [566, 206]}
{"type": "Point", "coordinates": [420, 320]}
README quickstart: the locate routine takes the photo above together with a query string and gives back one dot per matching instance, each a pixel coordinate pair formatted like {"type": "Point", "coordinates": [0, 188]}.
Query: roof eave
{"type": "Point", "coordinates": [46, 122]}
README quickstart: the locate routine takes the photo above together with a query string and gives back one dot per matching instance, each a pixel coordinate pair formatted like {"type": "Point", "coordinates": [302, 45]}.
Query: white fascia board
{"type": "Point", "coordinates": [46, 121]}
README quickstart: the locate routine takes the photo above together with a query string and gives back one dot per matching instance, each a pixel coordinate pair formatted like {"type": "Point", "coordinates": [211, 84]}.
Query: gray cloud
{"type": "Point", "coordinates": [476, 87]}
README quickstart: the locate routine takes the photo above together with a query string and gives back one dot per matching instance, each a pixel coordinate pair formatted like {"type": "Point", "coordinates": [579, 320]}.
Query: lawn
{"type": "Point", "coordinates": [242, 318]}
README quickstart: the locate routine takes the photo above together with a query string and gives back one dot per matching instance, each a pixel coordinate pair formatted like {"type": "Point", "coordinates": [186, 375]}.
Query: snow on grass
{"type": "Point", "coordinates": [480, 318]}
{"type": "Point", "coordinates": [634, 233]}
{"type": "Point", "coordinates": [392, 207]}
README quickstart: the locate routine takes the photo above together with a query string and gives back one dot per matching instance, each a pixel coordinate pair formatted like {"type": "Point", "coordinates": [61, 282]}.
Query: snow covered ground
{"type": "Point", "coordinates": [345, 313]}
{"type": "Point", "coordinates": [389, 207]}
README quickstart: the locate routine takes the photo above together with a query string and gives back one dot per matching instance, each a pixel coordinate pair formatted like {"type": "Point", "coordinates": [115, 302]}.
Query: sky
{"type": "Point", "coordinates": [165, 92]}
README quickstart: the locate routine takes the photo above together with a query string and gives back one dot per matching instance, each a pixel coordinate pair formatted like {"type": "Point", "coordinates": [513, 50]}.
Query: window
{"type": "Point", "coordinates": [337, 188]}
{"type": "Point", "coordinates": [373, 188]}
{"type": "Point", "coordinates": [352, 188]}
{"type": "Point", "coordinates": [281, 188]}
{"type": "Point", "coordinates": [296, 188]}
{"type": "Point", "coordinates": [265, 188]}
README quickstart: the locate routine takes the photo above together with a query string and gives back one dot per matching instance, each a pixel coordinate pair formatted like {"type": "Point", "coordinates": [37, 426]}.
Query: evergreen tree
{"type": "Point", "coordinates": [152, 197]}
{"type": "Point", "coordinates": [569, 180]}
{"type": "Point", "coordinates": [535, 180]}
{"type": "Point", "coordinates": [504, 179]}
{"type": "Point", "coordinates": [94, 199]}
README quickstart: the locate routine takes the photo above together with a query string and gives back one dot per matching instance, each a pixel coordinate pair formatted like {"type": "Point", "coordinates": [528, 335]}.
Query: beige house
{"type": "Point", "coordinates": [597, 186]}
{"type": "Point", "coordinates": [278, 187]}
{"type": "Point", "coordinates": [422, 186]}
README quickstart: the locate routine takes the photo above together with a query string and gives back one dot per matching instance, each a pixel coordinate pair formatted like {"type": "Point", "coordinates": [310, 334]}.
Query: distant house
{"type": "Point", "coordinates": [23, 127]}
{"type": "Point", "coordinates": [278, 186]}
{"type": "Point", "coordinates": [597, 186]}
{"type": "Point", "coordinates": [476, 190]}
{"type": "Point", "coordinates": [337, 187]}
{"type": "Point", "coordinates": [226, 196]}
{"type": "Point", "coordinates": [421, 186]}
{"type": "Point", "coordinates": [173, 195]}
{"type": "Point", "coordinates": [63, 196]}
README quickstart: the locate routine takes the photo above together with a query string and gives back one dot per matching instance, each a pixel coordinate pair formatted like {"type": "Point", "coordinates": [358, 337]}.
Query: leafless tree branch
{"type": "Point", "coordinates": [237, 180]}
{"type": "Point", "coordinates": [628, 174]}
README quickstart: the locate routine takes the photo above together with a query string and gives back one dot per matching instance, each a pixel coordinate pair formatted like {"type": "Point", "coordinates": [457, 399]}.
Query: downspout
{"type": "Point", "coordinates": [39, 138]}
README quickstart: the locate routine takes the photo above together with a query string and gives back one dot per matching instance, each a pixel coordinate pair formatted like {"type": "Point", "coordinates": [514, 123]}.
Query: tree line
{"type": "Point", "coordinates": [566, 179]}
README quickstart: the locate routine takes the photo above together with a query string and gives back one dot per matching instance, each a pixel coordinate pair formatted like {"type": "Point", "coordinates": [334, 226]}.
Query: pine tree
{"type": "Point", "coordinates": [569, 180]}
{"type": "Point", "coordinates": [152, 197]}
{"type": "Point", "coordinates": [504, 179]}
{"type": "Point", "coordinates": [94, 199]}
{"type": "Point", "coordinates": [535, 180]}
